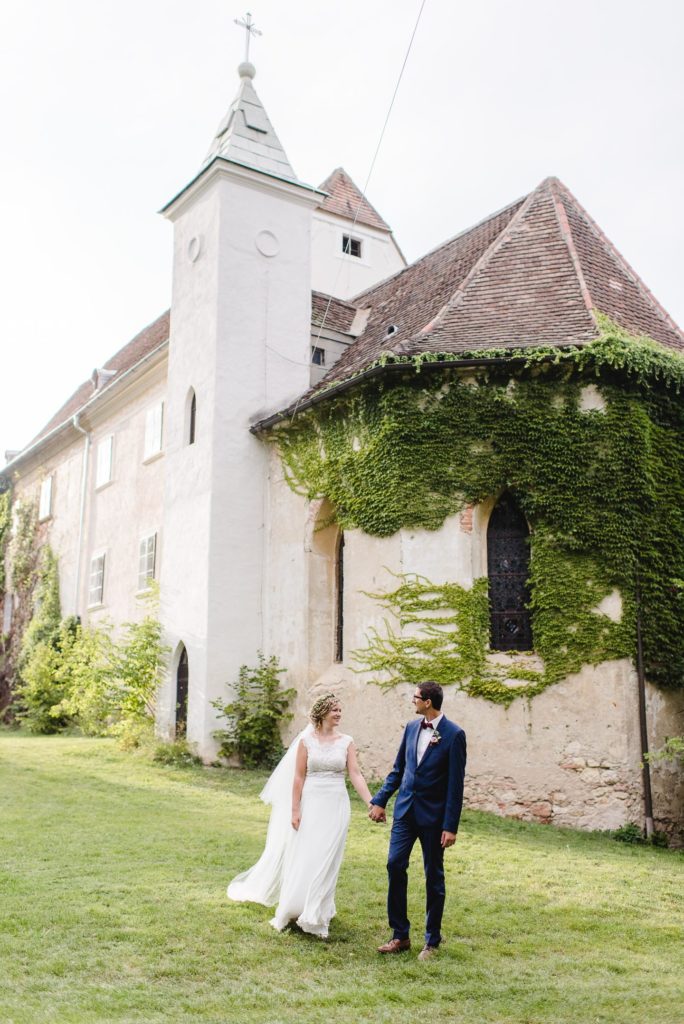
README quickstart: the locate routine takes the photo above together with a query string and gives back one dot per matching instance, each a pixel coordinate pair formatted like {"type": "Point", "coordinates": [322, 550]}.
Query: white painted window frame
{"type": "Point", "coordinates": [154, 432]}
{"type": "Point", "coordinates": [45, 503]}
{"type": "Point", "coordinates": [93, 571]}
{"type": "Point", "coordinates": [105, 462]}
{"type": "Point", "coordinates": [147, 561]}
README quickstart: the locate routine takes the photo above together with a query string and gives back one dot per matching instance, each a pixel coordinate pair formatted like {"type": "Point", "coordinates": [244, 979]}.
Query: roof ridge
{"type": "Point", "coordinates": [484, 259]}
{"type": "Point", "coordinates": [442, 245]}
{"type": "Point", "coordinates": [626, 266]}
{"type": "Point", "coordinates": [553, 185]}
{"type": "Point", "coordinates": [342, 190]}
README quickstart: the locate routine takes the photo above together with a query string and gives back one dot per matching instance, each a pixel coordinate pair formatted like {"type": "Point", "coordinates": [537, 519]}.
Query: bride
{"type": "Point", "coordinates": [308, 827]}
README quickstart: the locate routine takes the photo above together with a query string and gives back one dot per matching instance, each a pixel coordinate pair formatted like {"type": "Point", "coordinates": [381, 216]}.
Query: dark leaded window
{"type": "Point", "coordinates": [508, 561]}
{"type": "Point", "coordinates": [182, 676]}
{"type": "Point", "coordinates": [339, 603]}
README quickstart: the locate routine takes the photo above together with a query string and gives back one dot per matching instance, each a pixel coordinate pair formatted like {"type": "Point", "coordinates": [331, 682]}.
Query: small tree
{"type": "Point", "coordinates": [85, 673]}
{"type": "Point", "coordinates": [255, 715]}
{"type": "Point", "coordinates": [138, 662]}
{"type": "Point", "coordinates": [39, 691]}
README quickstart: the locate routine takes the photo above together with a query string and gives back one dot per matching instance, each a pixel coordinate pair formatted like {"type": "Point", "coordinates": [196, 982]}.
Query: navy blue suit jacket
{"type": "Point", "coordinates": [434, 788]}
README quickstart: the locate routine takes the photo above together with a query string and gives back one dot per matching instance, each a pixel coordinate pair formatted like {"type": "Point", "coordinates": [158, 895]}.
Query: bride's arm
{"type": "Point", "coordinates": [298, 785]}
{"type": "Point", "coordinates": [357, 779]}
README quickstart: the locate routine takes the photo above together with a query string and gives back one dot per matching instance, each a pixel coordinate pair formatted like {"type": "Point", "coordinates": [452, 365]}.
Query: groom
{"type": "Point", "coordinates": [428, 773]}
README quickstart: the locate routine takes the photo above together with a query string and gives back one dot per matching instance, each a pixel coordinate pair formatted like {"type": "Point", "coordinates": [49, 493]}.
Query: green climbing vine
{"type": "Point", "coordinates": [444, 636]}
{"type": "Point", "coordinates": [5, 527]}
{"type": "Point", "coordinates": [23, 549]}
{"type": "Point", "coordinates": [590, 442]}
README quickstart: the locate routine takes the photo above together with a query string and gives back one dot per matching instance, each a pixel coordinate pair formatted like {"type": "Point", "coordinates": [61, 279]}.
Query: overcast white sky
{"type": "Point", "coordinates": [109, 108]}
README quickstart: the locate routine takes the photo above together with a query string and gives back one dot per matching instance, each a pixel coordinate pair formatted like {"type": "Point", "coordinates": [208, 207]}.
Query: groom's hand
{"type": "Point", "coordinates": [377, 814]}
{"type": "Point", "coordinates": [448, 839]}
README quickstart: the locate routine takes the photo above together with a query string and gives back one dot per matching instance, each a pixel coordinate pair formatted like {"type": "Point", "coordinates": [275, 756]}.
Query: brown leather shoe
{"type": "Point", "coordinates": [395, 946]}
{"type": "Point", "coordinates": [427, 952]}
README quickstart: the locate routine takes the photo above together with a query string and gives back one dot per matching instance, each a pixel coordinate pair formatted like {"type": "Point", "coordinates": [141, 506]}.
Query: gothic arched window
{"type": "Point", "coordinates": [508, 562]}
{"type": "Point", "coordinates": [182, 679]}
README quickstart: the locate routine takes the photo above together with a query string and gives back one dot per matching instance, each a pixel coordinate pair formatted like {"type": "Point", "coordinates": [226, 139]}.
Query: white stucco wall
{"type": "Point", "coordinates": [117, 515]}
{"type": "Point", "coordinates": [337, 273]}
{"type": "Point", "coordinates": [241, 316]}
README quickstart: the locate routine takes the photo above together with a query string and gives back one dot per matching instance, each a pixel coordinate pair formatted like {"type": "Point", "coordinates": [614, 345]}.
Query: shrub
{"type": "Point", "coordinates": [633, 834]}
{"type": "Point", "coordinates": [629, 833]}
{"type": "Point", "coordinates": [133, 734]}
{"type": "Point", "coordinates": [672, 752]}
{"type": "Point", "coordinates": [255, 715]}
{"type": "Point", "coordinates": [40, 695]}
{"type": "Point", "coordinates": [177, 754]}
{"type": "Point", "coordinates": [85, 672]}
{"type": "Point", "coordinates": [137, 667]}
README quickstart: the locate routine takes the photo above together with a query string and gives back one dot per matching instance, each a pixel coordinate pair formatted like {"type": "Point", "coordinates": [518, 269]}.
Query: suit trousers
{"type": "Point", "coordinates": [405, 831]}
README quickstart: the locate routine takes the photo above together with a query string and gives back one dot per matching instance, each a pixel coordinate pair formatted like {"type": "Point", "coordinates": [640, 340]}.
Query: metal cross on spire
{"type": "Point", "coordinates": [250, 31]}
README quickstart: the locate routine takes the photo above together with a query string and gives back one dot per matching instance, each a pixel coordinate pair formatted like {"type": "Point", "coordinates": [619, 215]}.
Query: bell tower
{"type": "Point", "coordinates": [239, 347]}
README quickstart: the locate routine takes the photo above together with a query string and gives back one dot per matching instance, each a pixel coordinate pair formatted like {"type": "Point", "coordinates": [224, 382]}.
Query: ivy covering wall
{"type": "Point", "coordinates": [602, 489]}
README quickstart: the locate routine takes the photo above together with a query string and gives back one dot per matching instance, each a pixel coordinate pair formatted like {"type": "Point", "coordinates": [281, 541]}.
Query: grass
{"type": "Point", "coordinates": [113, 909]}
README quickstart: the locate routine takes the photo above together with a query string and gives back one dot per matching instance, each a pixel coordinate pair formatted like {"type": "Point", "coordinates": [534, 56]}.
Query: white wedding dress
{"type": "Point", "coordinates": [298, 869]}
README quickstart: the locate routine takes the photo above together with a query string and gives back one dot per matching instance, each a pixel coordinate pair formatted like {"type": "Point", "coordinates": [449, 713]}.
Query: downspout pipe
{"type": "Point", "coordinates": [643, 724]}
{"type": "Point", "coordinates": [76, 423]}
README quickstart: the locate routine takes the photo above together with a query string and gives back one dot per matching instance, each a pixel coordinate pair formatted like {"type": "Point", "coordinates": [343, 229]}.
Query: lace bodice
{"type": "Point", "coordinates": [326, 759]}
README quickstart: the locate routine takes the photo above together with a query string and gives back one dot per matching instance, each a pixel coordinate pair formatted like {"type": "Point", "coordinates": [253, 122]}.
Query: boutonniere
{"type": "Point", "coordinates": [435, 738]}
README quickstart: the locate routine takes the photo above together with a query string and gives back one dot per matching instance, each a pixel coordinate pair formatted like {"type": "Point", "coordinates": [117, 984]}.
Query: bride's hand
{"type": "Point", "coordinates": [296, 820]}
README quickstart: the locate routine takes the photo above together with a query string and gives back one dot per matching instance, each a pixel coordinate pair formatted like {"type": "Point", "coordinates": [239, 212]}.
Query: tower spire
{"type": "Point", "coordinates": [246, 135]}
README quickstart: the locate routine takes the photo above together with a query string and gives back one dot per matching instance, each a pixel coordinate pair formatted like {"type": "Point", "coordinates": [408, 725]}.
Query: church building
{"type": "Point", "coordinates": [463, 469]}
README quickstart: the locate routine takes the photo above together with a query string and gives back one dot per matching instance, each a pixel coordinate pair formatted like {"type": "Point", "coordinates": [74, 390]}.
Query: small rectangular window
{"type": "Point", "coordinates": [103, 473]}
{"type": "Point", "coordinates": [147, 561]}
{"type": "Point", "coordinates": [154, 426]}
{"type": "Point", "coordinates": [96, 581]}
{"type": "Point", "coordinates": [317, 355]}
{"type": "Point", "coordinates": [351, 246]}
{"type": "Point", "coordinates": [45, 504]}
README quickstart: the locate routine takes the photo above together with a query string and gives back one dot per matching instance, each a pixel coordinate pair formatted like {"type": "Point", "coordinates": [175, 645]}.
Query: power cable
{"type": "Point", "coordinates": [375, 157]}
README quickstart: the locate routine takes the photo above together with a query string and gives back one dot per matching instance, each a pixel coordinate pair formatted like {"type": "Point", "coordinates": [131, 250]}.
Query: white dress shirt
{"type": "Point", "coordinates": [424, 737]}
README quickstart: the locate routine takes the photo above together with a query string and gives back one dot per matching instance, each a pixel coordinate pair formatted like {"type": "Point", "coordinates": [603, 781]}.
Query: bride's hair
{"type": "Point", "coordinates": [321, 707]}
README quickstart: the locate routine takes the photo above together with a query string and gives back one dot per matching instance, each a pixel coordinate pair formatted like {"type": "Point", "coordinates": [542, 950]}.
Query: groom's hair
{"type": "Point", "coordinates": [432, 692]}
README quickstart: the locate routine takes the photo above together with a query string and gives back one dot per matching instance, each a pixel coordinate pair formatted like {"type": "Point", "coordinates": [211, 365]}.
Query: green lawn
{"type": "Point", "coordinates": [113, 909]}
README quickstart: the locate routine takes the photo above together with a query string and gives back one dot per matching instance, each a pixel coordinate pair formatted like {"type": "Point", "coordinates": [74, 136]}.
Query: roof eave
{"type": "Point", "coordinates": [221, 162]}
{"type": "Point", "coordinates": [376, 370]}
{"type": "Point", "coordinates": [104, 393]}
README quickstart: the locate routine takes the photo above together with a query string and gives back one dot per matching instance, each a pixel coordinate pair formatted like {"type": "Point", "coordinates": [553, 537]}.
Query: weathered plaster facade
{"type": "Point", "coordinates": [571, 756]}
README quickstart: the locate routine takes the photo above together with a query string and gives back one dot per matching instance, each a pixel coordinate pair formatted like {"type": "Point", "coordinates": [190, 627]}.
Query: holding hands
{"type": "Point", "coordinates": [377, 814]}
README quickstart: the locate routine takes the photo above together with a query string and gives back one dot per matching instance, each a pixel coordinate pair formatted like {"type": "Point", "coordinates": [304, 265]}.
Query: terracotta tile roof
{"type": "Point", "coordinates": [337, 314]}
{"type": "Point", "coordinates": [140, 346]}
{"type": "Point", "coordinates": [533, 274]}
{"type": "Point", "coordinates": [345, 199]}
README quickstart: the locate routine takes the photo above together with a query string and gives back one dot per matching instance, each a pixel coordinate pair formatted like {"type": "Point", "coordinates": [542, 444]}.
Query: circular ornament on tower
{"type": "Point", "coordinates": [267, 243]}
{"type": "Point", "coordinates": [194, 248]}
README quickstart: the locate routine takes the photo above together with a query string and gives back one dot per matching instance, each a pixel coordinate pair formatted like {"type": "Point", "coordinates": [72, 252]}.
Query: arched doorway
{"type": "Point", "coordinates": [182, 676]}
{"type": "Point", "coordinates": [508, 565]}
{"type": "Point", "coordinates": [339, 600]}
